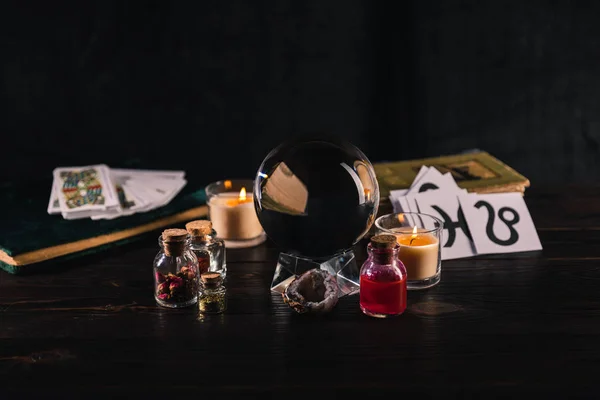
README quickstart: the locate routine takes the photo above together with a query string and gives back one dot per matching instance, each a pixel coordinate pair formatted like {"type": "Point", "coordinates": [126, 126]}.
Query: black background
{"type": "Point", "coordinates": [212, 86]}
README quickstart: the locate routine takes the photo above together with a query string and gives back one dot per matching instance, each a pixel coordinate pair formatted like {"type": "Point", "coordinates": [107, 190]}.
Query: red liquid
{"type": "Point", "coordinates": [383, 298]}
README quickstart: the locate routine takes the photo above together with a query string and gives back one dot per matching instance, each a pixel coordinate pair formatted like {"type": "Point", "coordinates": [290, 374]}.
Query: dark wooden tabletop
{"type": "Point", "coordinates": [504, 325]}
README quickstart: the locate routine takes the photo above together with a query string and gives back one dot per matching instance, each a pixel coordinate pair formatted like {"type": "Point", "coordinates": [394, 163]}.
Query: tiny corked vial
{"type": "Point", "coordinates": [383, 279]}
{"type": "Point", "coordinates": [176, 275]}
{"type": "Point", "coordinates": [211, 297]}
{"type": "Point", "coordinates": [209, 250]}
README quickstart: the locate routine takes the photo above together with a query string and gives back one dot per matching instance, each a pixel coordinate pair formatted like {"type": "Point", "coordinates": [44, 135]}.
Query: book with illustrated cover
{"type": "Point", "coordinates": [478, 172]}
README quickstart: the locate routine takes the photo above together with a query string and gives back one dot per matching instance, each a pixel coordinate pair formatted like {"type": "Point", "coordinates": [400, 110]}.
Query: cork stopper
{"type": "Point", "coordinates": [211, 279]}
{"type": "Point", "coordinates": [199, 227]}
{"type": "Point", "coordinates": [174, 241]}
{"type": "Point", "coordinates": [383, 241]}
{"type": "Point", "coordinates": [174, 235]}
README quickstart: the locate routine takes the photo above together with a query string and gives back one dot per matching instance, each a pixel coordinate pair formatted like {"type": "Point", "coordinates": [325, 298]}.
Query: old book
{"type": "Point", "coordinates": [29, 236]}
{"type": "Point", "coordinates": [477, 172]}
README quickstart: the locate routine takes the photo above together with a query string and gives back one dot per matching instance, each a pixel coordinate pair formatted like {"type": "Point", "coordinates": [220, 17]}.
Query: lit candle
{"type": "Point", "coordinates": [233, 216]}
{"type": "Point", "coordinates": [418, 252]}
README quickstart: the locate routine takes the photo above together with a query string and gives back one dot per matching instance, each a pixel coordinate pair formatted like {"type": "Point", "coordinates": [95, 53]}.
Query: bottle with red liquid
{"type": "Point", "coordinates": [383, 279]}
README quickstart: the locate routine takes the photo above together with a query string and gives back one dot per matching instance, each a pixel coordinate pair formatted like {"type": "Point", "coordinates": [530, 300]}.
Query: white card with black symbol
{"type": "Point", "coordinates": [395, 196]}
{"type": "Point", "coordinates": [404, 204]}
{"type": "Point", "coordinates": [422, 171]}
{"type": "Point", "coordinates": [412, 203]}
{"type": "Point", "coordinates": [433, 179]}
{"type": "Point", "coordinates": [456, 236]}
{"type": "Point", "coordinates": [500, 223]}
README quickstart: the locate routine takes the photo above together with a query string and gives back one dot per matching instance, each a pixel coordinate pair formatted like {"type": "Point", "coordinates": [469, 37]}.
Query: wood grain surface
{"type": "Point", "coordinates": [512, 325]}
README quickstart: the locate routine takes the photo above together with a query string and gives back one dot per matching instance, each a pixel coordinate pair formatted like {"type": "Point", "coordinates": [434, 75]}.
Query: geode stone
{"type": "Point", "coordinates": [315, 291]}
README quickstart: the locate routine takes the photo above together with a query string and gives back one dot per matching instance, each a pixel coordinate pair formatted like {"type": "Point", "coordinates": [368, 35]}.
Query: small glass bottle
{"type": "Point", "coordinates": [176, 275]}
{"type": "Point", "coordinates": [383, 279]}
{"type": "Point", "coordinates": [209, 250]}
{"type": "Point", "coordinates": [212, 298]}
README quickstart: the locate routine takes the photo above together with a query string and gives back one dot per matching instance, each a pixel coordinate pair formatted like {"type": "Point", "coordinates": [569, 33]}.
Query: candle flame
{"type": "Point", "coordinates": [367, 194]}
{"type": "Point", "coordinates": [243, 194]}
{"type": "Point", "coordinates": [401, 218]}
{"type": "Point", "coordinates": [227, 184]}
{"type": "Point", "coordinates": [414, 235]}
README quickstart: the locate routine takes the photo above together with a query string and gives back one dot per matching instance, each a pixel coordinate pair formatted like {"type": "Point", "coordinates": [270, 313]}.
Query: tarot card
{"type": "Point", "coordinates": [159, 192]}
{"type": "Point", "coordinates": [457, 238]}
{"type": "Point", "coordinates": [78, 214]}
{"type": "Point", "coordinates": [53, 206]}
{"type": "Point", "coordinates": [422, 171]}
{"type": "Point", "coordinates": [129, 200]}
{"type": "Point", "coordinates": [126, 174]}
{"type": "Point", "coordinates": [129, 204]}
{"type": "Point", "coordinates": [398, 193]}
{"type": "Point", "coordinates": [84, 189]}
{"type": "Point", "coordinates": [395, 196]}
{"type": "Point", "coordinates": [175, 191]}
{"type": "Point", "coordinates": [432, 179]}
{"type": "Point", "coordinates": [451, 184]}
{"type": "Point", "coordinates": [500, 223]}
{"type": "Point", "coordinates": [403, 205]}
{"type": "Point", "coordinates": [413, 206]}
{"type": "Point", "coordinates": [151, 196]}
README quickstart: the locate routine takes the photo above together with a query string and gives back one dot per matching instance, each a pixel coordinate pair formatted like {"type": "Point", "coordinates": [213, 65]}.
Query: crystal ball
{"type": "Point", "coordinates": [316, 198]}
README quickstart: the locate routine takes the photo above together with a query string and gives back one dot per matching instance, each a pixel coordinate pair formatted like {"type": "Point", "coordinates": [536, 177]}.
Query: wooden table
{"type": "Point", "coordinates": [516, 324]}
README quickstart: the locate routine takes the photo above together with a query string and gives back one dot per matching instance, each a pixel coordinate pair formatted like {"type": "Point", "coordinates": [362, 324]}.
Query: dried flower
{"type": "Point", "coordinates": [177, 288]}
{"type": "Point", "coordinates": [163, 296]}
{"type": "Point", "coordinates": [175, 284]}
{"type": "Point", "coordinates": [186, 273]}
{"type": "Point", "coordinates": [163, 287]}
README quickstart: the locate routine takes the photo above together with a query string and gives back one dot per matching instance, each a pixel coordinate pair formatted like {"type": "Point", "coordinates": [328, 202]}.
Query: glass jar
{"type": "Point", "coordinates": [176, 275]}
{"type": "Point", "coordinates": [209, 250]}
{"type": "Point", "coordinates": [211, 298]}
{"type": "Point", "coordinates": [420, 237]}
{"type": "Point", "coordinates": [383, 279]}
{"type": "Point", "coordinates": [232, 213]}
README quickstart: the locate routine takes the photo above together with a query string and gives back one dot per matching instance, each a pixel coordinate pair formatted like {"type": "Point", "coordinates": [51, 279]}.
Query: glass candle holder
{"type": "Point", "coordinates": [420, 237]}
{"type": "Point", "coordinates": [231, 211]}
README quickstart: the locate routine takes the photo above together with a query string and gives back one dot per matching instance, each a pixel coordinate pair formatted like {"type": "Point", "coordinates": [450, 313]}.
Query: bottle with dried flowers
{"type": "Point", "coordinates": [176, 275]}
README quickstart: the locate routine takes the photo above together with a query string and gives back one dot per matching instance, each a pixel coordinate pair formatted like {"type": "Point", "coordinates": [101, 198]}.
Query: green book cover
{"type": "Point", "coordinates": [29, 235]}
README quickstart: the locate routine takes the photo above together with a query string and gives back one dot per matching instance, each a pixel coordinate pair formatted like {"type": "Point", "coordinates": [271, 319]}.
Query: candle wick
{"type": "Point", "coordinates": [411, 240]}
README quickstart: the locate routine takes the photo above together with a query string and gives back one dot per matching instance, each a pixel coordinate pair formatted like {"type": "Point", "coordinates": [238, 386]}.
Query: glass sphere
{"type": "Point", "coordinates": [316, 198]}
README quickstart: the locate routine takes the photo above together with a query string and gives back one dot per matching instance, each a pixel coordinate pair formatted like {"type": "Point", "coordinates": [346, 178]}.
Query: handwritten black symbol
{"type": "Point", "coordinates": [451, 226]}
{"type": "Point", "coordinates": [489, 228]}
{"type": "Point", "coordinates": [427, 186]}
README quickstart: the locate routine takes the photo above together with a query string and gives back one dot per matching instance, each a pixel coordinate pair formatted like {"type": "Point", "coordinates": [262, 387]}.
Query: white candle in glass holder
{"type": "Point", "coordinates": [419, 252]}
{"type": "Point", "coordinates": [233, 216]}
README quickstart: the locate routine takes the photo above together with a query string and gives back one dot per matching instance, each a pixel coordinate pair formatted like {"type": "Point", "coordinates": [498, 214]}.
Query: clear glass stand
{"type": "Point", "coordinates": [343, 266]}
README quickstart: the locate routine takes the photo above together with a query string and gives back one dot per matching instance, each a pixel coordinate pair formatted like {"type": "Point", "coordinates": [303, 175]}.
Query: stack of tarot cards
{"type": "Point", "coordinates": [473, 223]}
{"type": "Point", "coordinates": [100, 192]}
